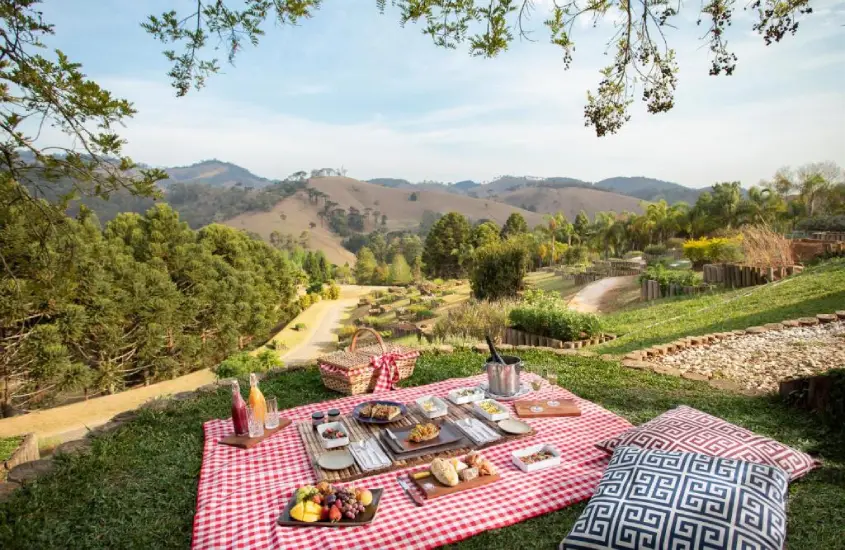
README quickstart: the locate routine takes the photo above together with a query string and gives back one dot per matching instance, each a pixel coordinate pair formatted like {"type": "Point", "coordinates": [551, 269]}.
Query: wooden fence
{"type": "Point", "coordinates": [601, 269]}
{"type": "Point", "coordinates": [741, 276]}
{"type": "Point", "coordinates": [650, 290]}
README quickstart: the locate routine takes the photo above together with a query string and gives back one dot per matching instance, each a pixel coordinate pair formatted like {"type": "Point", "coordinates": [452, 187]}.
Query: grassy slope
{"type": "Point", "coordinates": [8, 446]}
{"type": "Point", "coordinates": [138, 487]}
{"type": "Point", "coordinates": [819, 289]}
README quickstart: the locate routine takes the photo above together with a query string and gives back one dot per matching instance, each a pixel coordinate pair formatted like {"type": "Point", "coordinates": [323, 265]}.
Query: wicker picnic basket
{"type": "Point", "coordinates": [350, 371]}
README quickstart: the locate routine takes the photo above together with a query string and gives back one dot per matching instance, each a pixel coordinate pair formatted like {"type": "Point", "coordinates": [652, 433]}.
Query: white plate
{"type": "Point", "coordinates": [440, 408]}
{"type": "Point", "coordinates": [514, 426]}
{"type": "Point", "coordinates": [333, 443]}
{"type": "Point", "coordinates": [336, 460]}
{"type": "Point", "coordinates": [477, 395]}
{"type": "Point", "coordinates": [494, 417]}
{"type": "Point", "coordinates": [517, 456]}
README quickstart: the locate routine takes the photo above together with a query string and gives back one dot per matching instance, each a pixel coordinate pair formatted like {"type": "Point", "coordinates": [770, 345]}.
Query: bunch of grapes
{"type": "Point", "coordinates": [349, 504]}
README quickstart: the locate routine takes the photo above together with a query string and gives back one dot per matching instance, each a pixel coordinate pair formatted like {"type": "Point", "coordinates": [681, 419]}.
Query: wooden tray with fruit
{"type": "Point", "coordinates": [448, 476]}
{"type": "Point", "coordinates": [327, 505]}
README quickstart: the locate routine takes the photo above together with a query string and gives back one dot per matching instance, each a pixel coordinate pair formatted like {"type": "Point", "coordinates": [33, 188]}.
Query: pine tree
{"type": "Point", "coordinates": [515, 225]}
{"type": "Point", "coordinates": [444, 245]}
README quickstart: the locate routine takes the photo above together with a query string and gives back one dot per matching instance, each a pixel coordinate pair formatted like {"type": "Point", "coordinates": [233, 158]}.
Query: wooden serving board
{"type": "Point", "coordinates": [359, 431]}
{"type": "Point", "coordinates": [567, 407]}
{"type": "Point", "coordinates": [432, 488]}
{"type": "Point", "coordinates": [365, 517]}
{"type": "Point", "coordinates": [246, 442]}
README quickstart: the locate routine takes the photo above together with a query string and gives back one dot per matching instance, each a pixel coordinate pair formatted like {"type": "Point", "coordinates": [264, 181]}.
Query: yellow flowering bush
{"type": "Point", "coordinates": [717, 249]}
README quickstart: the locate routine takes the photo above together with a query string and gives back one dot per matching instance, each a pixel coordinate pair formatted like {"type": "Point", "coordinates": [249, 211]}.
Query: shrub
{"type": "Point", "coordinates": [241, 364]}
{"type": "Point", "coordinates": [666, 277]}
{"type": "Point", "coordinates": [331, 292]}
{"type": "Point", "coordinates": [822, 223]}
{"type": "Point", "coordinates": [555, 322]}
{"type": "Point", "coordinates": [346, 331]}
{"type": "Point", "coordinates": [576, 255]}
{"type": "Point", "coordinates": [474, 319]}
{"type": "Point", "coordinates": [299, 326]}
{"type": "Point", "coordinates": [674, 243]}
{"type": "Point", "coordinates": [424, 314]}
{"type": "Point", "coordinates": [718, 249]}
{"type": "Point", "coordinates": [633, 254]}
{"type": "Point", "coordinates": [655, 249]}
{"type": "Point", "coordinates": [499, 270]}
{"type": "Point", "coordinates": [374, 322]}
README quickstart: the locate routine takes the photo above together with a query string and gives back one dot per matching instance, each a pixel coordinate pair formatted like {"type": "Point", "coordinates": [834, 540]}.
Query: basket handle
{"type": "Point", "coordinates": [367, 329]}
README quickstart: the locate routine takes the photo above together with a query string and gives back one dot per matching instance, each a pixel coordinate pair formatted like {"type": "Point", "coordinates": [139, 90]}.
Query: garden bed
{"type": "Point", "coordinates": [516, 337]}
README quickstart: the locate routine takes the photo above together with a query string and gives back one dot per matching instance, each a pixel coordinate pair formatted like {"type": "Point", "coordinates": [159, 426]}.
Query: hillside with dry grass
{"type": "Point", "coordinates": [296, 214]}
{"type": "Point", "coordinates": [569, 200]}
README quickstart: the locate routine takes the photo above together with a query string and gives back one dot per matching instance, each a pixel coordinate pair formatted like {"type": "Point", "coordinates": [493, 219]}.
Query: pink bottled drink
{"type": "Point", "coordinates": [239, 418]}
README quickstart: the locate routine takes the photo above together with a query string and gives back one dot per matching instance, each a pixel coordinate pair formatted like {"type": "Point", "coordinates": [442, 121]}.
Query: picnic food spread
{"type": "Point", "coordinates": [267, 477]}
{"type": "Point", "coordinates": [423, 432]}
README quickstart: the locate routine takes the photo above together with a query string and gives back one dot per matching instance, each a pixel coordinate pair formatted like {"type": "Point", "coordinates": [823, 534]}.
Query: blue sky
{"type": "Point", "coordinates": [352, 88]}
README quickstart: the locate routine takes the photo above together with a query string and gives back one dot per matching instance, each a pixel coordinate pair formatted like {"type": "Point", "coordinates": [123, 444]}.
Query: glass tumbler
{"type": "Point", "coordinates": [256, 426]}
{"type": "Point", "coordinates": [272, 419]}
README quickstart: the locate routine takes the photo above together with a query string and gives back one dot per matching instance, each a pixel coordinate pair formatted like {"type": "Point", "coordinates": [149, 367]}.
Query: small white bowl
{"type": "Point", "coordinates": [494, 417]}
{"type": "Point", "coordinates": [517, 457]}
{"type": "Point", "coordinates": [333, 443]}
{"type": "Point", "coordinates": [477, 395]}
{"type": "Point", "coordinates": [440, 408]}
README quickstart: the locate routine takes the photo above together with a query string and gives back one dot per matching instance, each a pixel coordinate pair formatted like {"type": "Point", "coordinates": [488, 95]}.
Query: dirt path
{"type": "Point", "coordinates": [324, 318]}
{"type": "Point", "coordinates": [593, 297]}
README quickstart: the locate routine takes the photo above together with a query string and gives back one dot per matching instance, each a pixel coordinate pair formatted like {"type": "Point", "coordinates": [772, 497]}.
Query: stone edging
{"type": "Point", "coordinates": [27, 451]}
{"type": "Point", "coordinates": [639, 359]}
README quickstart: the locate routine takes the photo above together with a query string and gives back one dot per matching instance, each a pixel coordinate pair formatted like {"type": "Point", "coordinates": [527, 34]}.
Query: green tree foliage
{"type": "Point", "coordinates": [581, 226]}
{"type": "Point", "coordinates": [48, 90]}
{"type": "Point", "coordinates": [498, 270]}
{"type": "Point", "coordinates": [365, 266]}
{"type": "Point", "coordinates": [446, 245]}
{"type": "Point", "coordinates": [400, 271]}
{"type": "Point", "coordinates": [144, 299]}
{"type": "Point", "coordinates": [484, 234]}
{"type": "Point", "coordinates": [642, 63]}
{"type": "Point", "coordinates": [514, 225]}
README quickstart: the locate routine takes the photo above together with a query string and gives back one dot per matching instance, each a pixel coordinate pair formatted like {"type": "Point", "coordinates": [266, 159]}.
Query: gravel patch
{"type": "Point", "coordinates": [760, 361]}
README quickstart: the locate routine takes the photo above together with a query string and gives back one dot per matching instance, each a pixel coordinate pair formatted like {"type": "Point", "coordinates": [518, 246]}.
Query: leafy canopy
{"type": "Point", "coordinates": [640, 54]}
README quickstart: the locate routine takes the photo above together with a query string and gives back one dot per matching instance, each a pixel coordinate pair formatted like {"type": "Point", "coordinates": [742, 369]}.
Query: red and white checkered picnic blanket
{"type": "Point", "coordinates": [242, 492]}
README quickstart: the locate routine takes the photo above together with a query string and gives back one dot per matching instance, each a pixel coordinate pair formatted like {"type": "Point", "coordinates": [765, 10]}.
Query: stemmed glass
{"type": "Point", "coordinates": [271, 420]}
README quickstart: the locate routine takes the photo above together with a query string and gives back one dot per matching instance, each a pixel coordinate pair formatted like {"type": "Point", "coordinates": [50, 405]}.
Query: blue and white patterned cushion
{"type": "Point", "coordinates": [662, 500]}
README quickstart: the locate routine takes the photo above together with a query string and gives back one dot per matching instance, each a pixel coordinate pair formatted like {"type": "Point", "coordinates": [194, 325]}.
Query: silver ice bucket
{"type": "Point", "coordinates": [503, 379]}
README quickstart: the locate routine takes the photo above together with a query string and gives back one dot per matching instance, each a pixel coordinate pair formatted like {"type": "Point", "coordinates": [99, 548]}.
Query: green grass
{"type": "Point", "coordinates": [8, 446]}
{"type": "Point", "coordinates": [137, 488]}
{"type": "Point", "coordinates": [819, 289]}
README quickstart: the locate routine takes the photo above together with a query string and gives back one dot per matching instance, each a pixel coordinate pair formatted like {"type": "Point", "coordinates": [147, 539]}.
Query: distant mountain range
{"type": "Point", "coordinates": [643, 188]}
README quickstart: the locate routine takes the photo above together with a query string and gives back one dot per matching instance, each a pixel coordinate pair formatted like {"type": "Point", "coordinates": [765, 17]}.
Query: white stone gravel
{"type": "Point", "coordinates": [760, 361]}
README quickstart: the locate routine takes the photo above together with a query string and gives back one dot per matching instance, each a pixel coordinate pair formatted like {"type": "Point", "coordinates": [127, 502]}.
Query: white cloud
{"type": "Point", "coordinates": [443, 115]}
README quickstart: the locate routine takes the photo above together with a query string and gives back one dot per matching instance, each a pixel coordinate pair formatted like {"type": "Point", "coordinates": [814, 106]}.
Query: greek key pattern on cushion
{"type": "Point", "coordinates": [664, 500]}
{"type": "Point", "coordinates": [690, 430]}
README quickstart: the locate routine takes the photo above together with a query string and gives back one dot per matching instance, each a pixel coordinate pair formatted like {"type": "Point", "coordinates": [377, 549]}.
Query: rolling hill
{"type": "Point", "coordinates": [217, 174]}
{"type": "Point", "coordinates": [569, 200]}
{"type": "Point", "coordinates": [650, 189]}
{"type": "Point", "coordinates": [402, 212]}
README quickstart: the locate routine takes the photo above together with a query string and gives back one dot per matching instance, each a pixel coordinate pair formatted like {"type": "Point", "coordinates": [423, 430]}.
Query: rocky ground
{"type": "Point", "coordinates": [759, 361]}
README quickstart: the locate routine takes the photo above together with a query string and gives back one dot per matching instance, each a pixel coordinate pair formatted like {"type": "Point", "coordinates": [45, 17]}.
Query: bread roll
{"type": "Point", "coordinates": [444, 472]}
